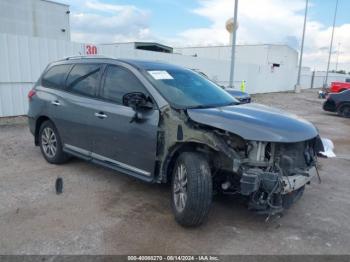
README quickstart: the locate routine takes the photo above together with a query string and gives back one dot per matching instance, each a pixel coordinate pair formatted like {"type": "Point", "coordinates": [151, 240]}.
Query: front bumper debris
{"type": "Point", "coordinates": [293, 183]}
{"type": "Point", "coordinates": [270, 193]}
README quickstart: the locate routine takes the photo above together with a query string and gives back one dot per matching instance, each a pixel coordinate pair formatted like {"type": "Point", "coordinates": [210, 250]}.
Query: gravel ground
{"type": "Point", "coordinates": [103, 212]}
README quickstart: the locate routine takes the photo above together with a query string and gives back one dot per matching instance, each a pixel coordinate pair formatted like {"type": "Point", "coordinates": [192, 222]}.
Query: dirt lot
{"type": "Point", "coordinates": [102, 212]}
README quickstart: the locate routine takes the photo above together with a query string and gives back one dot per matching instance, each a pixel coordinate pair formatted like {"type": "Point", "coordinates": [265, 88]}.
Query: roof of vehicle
{"type": "Point", "coordinates": [140, 64]}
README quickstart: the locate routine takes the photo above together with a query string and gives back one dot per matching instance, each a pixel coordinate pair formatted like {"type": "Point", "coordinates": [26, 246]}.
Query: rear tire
{"type": "Point", "coordinates": [344, 111]}
{"type": "Point", "coordinates": [191, 189]}
{"type": "Point", "coordinates": [50, 144]}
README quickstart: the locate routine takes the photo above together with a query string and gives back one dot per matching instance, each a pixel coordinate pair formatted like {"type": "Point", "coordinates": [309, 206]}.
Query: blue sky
{"type": "Point", "coordinates": [323, 10]}
{"type": "Point", "coordinates": [202, 22]}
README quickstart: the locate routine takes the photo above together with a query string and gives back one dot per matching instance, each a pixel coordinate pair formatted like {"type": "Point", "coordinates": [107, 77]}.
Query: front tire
{"type": "Point", "coordinates": [50, 144]}
{"type": "Point", "coordinates": [191, 189]}
{"type": "Point", "coordinates": [289, 199]}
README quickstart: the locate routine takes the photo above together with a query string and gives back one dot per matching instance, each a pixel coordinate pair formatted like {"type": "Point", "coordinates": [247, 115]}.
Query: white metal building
{"type": "Point", "coordinates": [266, 54]}
{"type": "Point", "coordinates": [37, 18]}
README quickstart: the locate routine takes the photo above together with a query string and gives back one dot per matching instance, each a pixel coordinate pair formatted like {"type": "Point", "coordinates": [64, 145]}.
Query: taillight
{"type": "Point", "coordinates": [31, 94]}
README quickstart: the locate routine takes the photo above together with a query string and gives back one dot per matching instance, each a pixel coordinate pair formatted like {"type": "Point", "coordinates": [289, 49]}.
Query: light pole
{"type": "Point", "coordinates": [325, 84]}
{"type": "Point", "coordinates": [232, 71]}
{"type": "Point", "coordinates": [297, 86]}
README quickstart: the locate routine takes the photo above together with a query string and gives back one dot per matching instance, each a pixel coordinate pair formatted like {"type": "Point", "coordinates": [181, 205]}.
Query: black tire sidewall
{"type": "Point", "coordinates": [60, 156]}
{"type": "Point", "coordinates": [199, 189]}
{"type": "Point", "coordinates": [289, 199]}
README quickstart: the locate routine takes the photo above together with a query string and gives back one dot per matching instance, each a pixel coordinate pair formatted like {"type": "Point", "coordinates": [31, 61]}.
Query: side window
{"type": "Point", "coordinates": [83, 79]}
{"type": "Point", "coordinates": [55, 76]}
{"type": "Point", "coordinates": [119, 81]}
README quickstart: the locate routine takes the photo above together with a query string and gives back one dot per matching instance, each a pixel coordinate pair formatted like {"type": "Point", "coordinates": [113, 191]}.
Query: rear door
{"type": "Point", "coordinates": [118, 142]}
{"type": "Point", "coordinates": [73, 111]}
{"type": "Point", "coordinates": [52, 92]}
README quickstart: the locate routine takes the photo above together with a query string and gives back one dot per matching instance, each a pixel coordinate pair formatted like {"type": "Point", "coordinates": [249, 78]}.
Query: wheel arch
{"type": "Point", "coordinates": [340, 105]}
{"type": "Point", "coordinates": [175, 151]}
{"type": "Point", "coordinates": [38, 123]}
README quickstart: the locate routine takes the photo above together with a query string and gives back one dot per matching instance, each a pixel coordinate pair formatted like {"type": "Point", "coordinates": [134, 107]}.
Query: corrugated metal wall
{"type": "Point", "coordinates": [253, 54]}
{"type": "Point", "coordinates": [22, 59]}
{"type": "Point", "coordinates": [35, 18]}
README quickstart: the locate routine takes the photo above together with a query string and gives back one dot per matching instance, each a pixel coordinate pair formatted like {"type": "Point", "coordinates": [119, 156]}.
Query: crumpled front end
{"type": "Point", "coordinates": [274, 174]}
{"type": "Point", "coordinates": [265, 154]}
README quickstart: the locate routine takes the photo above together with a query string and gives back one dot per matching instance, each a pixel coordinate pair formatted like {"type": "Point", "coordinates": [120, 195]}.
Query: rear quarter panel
{"type": "Point", "coordinates": [37, 107]}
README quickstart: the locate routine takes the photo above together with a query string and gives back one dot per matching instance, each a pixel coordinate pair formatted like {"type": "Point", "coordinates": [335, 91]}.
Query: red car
{"type": "Point", "coordinates": [337, 87]}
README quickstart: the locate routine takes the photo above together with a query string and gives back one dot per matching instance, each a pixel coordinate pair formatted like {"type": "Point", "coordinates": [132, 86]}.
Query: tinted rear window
{"type": "Point", "coordinates": [83, 79]}
{"type": "Point", "coordinates": [55, 76]}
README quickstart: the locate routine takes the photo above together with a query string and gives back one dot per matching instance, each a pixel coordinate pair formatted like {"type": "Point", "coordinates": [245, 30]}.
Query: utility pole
{"type": "Point", "coordinates": [297, 86]}
{"type": "Point", "coordinates": [233, 51]}
{"type": "Point", "coordinates": [325, 84]}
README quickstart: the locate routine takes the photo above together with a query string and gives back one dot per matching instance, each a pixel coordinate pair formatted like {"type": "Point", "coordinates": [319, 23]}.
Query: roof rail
{"type": "Point", "coordinates": [84, 56]}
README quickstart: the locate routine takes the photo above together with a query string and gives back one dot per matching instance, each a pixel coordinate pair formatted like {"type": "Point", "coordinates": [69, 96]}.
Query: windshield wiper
{"type": "Point", "coordinates": [212, 106]}
{"type": "Point", "coordinates": [201, 106]}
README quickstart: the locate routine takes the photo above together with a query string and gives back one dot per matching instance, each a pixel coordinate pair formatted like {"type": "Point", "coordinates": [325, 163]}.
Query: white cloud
{"type": "Point", "coordinates": [104, 23]}
{"type": "Point", "coordinates": [318, 41]}
{"type": "Point", "coordinates": [259, 21]}
{"type": "Point", "coordinates": [269, 21]}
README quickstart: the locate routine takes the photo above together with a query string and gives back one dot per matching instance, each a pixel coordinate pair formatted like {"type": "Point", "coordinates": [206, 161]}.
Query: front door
{"type": "Point", "coordinates": [119, 142]}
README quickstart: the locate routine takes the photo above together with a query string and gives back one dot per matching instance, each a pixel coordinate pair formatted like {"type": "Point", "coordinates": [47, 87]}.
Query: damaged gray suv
{"type": "Point", "coordinates": [165, 124]}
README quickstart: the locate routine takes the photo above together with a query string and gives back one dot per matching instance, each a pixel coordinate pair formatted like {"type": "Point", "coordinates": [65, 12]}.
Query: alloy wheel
{"type": "Point", "coordinates": [180, 188]}
{"type": "Point", "coordinates": [49, 142]}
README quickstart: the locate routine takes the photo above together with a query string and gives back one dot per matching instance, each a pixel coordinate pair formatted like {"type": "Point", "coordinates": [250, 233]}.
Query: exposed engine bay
{"type": "Point", "coordinates": [272, 175]}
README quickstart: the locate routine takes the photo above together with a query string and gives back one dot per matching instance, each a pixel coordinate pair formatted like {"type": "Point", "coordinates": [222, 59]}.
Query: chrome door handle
{"type": "Point", "coordinates": [56, 103]}
{"type": "Point", "coordinates": [101, 115]}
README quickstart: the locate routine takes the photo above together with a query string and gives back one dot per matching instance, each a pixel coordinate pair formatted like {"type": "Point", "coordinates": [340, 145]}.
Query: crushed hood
{"type": "Point", "coordinates": [256, 122]}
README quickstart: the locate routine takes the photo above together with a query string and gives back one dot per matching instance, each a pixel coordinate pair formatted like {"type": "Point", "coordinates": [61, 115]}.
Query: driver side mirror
{"type": "Point", "coordinates": [137, 100]}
